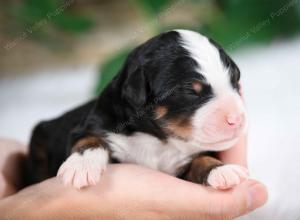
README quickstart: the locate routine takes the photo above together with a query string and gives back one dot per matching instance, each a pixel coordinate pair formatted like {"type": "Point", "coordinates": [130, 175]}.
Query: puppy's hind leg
{"type": "Point", "coordinates": [86, 163]}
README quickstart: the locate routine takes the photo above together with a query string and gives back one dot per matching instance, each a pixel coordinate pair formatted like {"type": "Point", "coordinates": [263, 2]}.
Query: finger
{"type": "Point", "coordinates": [236, 202]}
{"type": "Point", "coordinates": [236, 154]}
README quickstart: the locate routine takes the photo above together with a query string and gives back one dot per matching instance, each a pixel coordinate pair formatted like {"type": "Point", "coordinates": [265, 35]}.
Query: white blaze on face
{"type": "Point", "coordinates": [218, 123]}
{"type": "Point", "coordinates": [208, 58]}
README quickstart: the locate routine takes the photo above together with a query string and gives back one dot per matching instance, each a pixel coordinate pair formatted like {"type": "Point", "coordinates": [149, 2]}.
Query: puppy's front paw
{"type": "Point", "coordinates": [80, 170]}
{"type": "Point", "coordinates": [227, 176]}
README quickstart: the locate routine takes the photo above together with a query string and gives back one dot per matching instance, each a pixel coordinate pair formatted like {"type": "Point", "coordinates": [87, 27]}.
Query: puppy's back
{"type": "Point", "coordinates": [48, 144]}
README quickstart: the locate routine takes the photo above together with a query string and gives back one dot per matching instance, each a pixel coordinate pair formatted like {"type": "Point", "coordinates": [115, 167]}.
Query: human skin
{"type": "Point", "coordinates": [128, 192]}
{"type": "Point", "coordinates": [12, 154]}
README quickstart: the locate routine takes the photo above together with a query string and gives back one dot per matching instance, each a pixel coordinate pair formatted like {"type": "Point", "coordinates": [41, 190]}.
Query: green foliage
{"type": "Point", "coordinates": [73, 23]}
{"type": "Point", "coordinates": [232, 23]}
{"type": "Point", "coordinates": [153, 7]}
{"type": "Point", "coordinates": [53, 12]}
{"type": "Point", "coordinates": [110, 68]}
{"type": "Point", "coordinates": [242, 22]}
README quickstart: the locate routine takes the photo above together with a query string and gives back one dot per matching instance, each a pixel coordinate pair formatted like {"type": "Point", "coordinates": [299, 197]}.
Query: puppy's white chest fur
{"type": "Point", "coordinates": [149, 151]}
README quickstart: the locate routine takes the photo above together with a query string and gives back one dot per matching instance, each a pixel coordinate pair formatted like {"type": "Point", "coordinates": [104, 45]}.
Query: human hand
{"type": "Point", "coordinates": [11, 161]}
{"type": "Point", "coordinates": [133, 192]}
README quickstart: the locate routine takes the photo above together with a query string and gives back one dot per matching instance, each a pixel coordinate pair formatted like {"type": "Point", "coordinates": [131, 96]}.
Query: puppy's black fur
{"type": "Point", "coordinates": [158, 73]}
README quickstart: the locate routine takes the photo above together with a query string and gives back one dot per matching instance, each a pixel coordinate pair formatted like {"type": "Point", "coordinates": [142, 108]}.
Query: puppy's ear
{"type": "Point", "coordinates": [134, 89]}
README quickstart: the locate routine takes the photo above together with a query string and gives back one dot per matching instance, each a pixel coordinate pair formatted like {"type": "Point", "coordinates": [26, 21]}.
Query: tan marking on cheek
{"type": "Point", "coordinates": [197, 87]}
{"type": "Point", "coordinates": [180, 127]}
{"type": "Point", "coordinates": [160, 112]}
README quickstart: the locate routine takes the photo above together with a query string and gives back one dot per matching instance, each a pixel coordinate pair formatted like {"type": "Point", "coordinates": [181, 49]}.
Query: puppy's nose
{"type": "Point", "coordinates": [234, 120]}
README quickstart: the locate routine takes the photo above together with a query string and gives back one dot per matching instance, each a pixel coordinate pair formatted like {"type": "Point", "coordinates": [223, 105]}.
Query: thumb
{"type": "Point", "coordinates": [246, 197]}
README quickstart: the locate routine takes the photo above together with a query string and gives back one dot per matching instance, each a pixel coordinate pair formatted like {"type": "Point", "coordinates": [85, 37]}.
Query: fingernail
{"type": "Point", "coordinates": [257, 195]}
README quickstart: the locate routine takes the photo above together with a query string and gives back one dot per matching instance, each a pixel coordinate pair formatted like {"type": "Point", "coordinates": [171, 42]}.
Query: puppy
{"type": "Point", "coordinates": [176, 98]}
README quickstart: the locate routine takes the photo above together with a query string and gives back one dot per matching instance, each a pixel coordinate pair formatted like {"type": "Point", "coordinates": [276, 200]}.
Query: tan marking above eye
{"type": "Point", "coordinates": [197, 86]}
{"type": "Point", "coordinates": [160, 111]}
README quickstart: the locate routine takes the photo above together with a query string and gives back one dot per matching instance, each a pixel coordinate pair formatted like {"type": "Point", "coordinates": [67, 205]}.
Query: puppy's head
{"type": "Point", "coordinates": [191, 84]}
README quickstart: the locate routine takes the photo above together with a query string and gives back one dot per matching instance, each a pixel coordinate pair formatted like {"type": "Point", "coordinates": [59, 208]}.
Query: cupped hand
{"type": "Point", "coordinates": [132, 192]}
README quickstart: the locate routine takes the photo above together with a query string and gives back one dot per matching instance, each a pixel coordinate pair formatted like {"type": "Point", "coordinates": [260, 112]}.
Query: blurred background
{"type": "Point", "coordinates": [56, 54]}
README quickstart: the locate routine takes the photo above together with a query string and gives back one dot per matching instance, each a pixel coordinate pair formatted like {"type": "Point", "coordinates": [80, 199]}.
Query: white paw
{"type": "Point", "coordinates": [80, 170]}
{"type": "Point", "coordinates": [227, 176]}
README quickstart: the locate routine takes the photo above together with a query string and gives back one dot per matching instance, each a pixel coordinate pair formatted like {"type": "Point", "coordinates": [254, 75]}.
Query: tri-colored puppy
{"type": "Point", "coordinates": [175, 99]}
